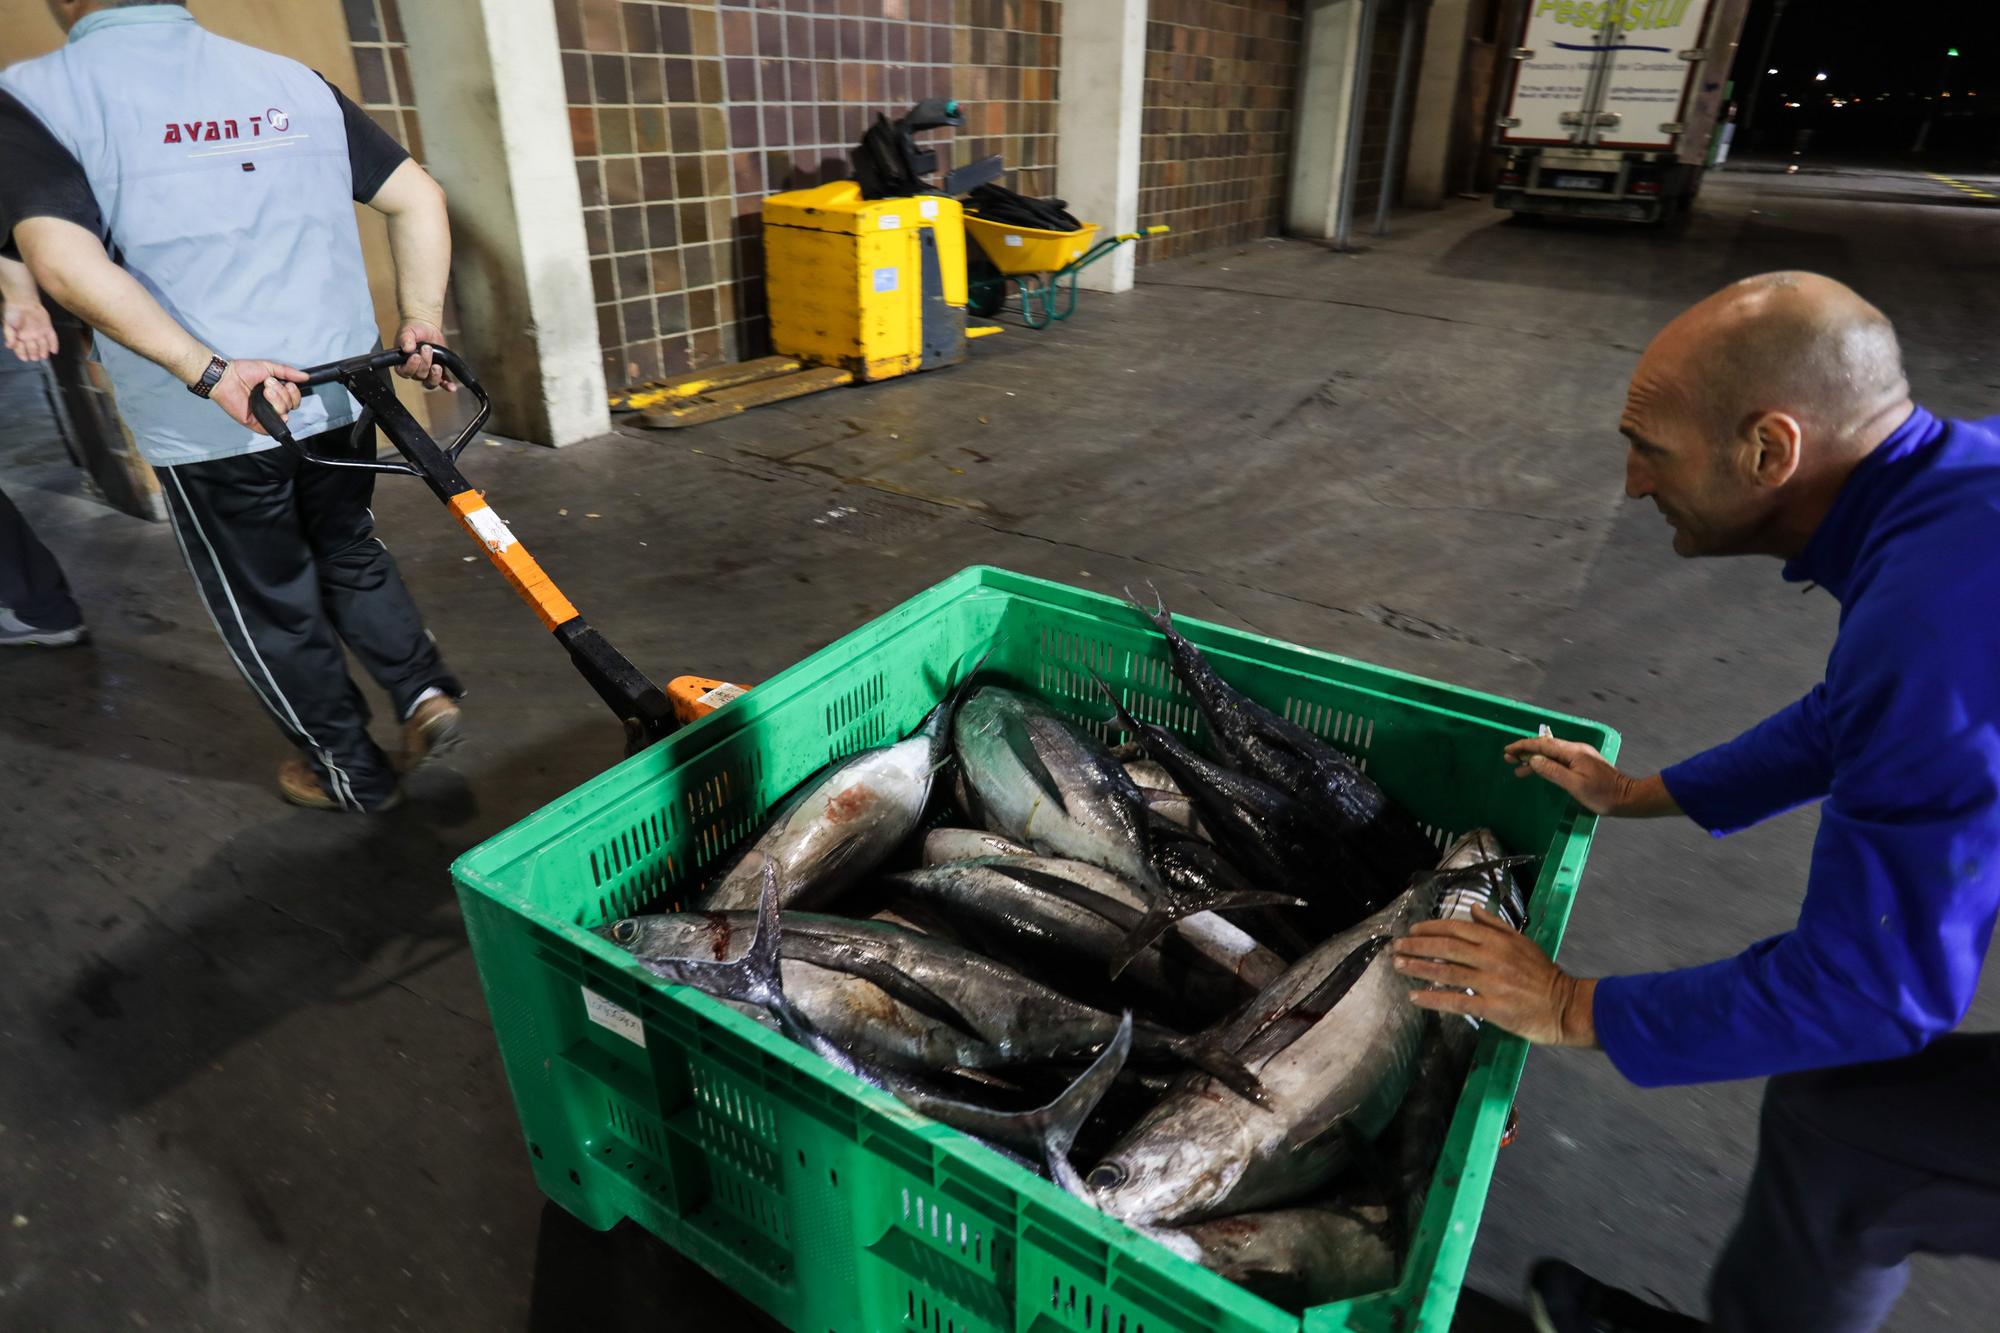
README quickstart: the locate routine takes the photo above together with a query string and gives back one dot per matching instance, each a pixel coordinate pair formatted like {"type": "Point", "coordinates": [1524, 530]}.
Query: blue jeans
{"type": "Point", "coordinates": [1858, 1168]}
{"type": "Point", "coordinates": [31, 582]}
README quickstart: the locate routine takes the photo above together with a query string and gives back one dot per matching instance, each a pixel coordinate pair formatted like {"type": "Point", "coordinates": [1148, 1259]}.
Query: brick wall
{"type": "Point", "coordinates": [1221, 82]}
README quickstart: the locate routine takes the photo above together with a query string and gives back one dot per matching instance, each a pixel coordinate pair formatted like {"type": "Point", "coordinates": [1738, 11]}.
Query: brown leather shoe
{"type": "Point", "coordinates": [298, 784]}
{"type": "Point", "coordinates": [438, 725]}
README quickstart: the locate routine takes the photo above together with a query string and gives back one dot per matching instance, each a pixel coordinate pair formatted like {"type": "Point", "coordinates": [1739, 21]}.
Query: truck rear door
{"type": "Point", "coordinates": [1556, 75]}
{"type": "Point", "coordinates": [1648, 80]}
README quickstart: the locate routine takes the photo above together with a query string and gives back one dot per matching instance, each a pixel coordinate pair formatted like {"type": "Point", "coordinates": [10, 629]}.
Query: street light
{"type": "Point", "coordinates": [1819, 78]}
{"type": "Point", "coordinates": [1770, 71]}
{"type": "Point", "coordinates": [1951, 50]}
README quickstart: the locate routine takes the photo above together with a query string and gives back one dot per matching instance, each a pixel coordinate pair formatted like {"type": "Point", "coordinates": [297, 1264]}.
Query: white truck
{"type": "Point", "coordinates": [1613, 104]}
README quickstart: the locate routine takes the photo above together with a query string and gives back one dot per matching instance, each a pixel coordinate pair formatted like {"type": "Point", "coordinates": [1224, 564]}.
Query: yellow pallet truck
{"type": "Point", "coordinates": [648, 712]}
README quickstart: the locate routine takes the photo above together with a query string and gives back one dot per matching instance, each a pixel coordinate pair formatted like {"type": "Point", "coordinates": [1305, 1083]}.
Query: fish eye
{"type": "Point", "coordinates": [624, 932]}
{"type": "Point", "coordinates": [1106, 1176]}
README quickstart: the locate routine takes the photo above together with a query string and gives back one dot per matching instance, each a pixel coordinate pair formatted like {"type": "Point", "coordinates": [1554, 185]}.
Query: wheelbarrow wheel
{"type": "Point", "coordinates": [985, 285]}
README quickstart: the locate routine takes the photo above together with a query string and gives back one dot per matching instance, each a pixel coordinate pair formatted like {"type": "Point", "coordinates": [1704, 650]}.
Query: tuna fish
{"type": "Point", "coordinates": [840, 825]}
{"type": "Point", "coordinates": [1333, 1043]}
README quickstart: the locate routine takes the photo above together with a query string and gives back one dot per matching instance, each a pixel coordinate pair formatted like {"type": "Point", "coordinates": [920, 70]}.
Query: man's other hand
{"type": "Point", "coordinates": [1575, 767]}
{"type": "Point", "coordinates": [29, 333]}
{"type": "Point", "coordinates": [420, 365]}
{"type": "Point", "coordinates": [278, 383]}
{"type": "Point", "coordinates": [1512, 982]}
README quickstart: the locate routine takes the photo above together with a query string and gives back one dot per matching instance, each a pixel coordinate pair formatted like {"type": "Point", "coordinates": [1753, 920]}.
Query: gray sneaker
{"type": "Point", "coordinates": [18, 633]}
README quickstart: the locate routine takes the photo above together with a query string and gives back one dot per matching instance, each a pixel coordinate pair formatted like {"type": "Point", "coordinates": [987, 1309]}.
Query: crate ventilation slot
{"type": "Point", "coordinates": [942, 1225]}
{"type": "Point", "coordinates": [635, 864]}
{"type": "Point", "coordinates": [1350, 731]}
{"type": "Point", "coordinates": [637, 1129]}
{"type": "Point", "coordinates": [1063, 1301]}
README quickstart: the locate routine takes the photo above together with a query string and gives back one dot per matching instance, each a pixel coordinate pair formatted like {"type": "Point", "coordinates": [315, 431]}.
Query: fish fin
{"type": "Point", "coordinates": [1175, 906]}
{"type": "Point", "coordinates": [1125, 719]}
{"type": "Point", "coordinates": [1206, 1052]}
{"type": "Point", "coordinates": [843, 956]}
{"type": "Point", "coordinates": [1285, 1027]}
{"type": "Point", "coordinates": [752, 979]}
{"type": "Point", "coordinates": [1476, 870]}
{"type": "Point", "coordinates": [1014, 733]}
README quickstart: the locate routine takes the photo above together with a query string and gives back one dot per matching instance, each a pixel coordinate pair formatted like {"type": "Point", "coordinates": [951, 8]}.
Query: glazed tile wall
{"type": "Point", "coordinates": [684, 115]}
{"type": "Point", "coordinates": [376, 33]}
{"type": "Point", "coordinates": [1215, 151]}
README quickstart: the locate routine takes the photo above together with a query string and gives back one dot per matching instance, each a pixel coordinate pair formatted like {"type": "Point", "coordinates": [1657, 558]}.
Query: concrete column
{"type": "Point", "coordinates": [490, 97]}
{"type": "Point", "coordinates": [1319, 136]}
{"type": "Point", "coordinates": [1103, 86]}
{"type": "Point", "coordinates": [1433, 112]}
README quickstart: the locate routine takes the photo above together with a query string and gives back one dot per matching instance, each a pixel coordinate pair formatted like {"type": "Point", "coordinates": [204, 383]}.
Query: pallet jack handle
{"type": "Point", "coordinates": [640, 704]}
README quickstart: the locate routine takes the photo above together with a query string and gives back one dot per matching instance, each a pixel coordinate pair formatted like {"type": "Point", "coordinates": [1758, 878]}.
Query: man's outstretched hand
{"type": "Point", "coordinates": [1513, 983]}
{"type": "Point", "coordinates": [1589, 778]}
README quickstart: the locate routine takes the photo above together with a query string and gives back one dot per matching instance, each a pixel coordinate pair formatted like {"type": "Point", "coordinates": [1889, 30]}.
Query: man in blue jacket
{"type": "Point", "coordinates": [1774, 419]}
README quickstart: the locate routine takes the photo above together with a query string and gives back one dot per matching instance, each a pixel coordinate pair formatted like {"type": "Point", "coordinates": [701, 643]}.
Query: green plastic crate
{"type": "Point", "coordinates": [824, 1201]}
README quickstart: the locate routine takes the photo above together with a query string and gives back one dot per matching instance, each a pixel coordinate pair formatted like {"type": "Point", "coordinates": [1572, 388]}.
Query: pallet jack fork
{"type": "Point", "coordinates": [647, 712]}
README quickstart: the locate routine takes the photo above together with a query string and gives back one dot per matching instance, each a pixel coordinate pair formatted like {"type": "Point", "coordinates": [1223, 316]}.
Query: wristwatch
{"type": "Point", "coordinates": [211, 377]}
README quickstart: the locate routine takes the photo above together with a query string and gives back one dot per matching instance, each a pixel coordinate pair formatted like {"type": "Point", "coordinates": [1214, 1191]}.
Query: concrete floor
{"type": "Point", "coordinates": [249, 1082]}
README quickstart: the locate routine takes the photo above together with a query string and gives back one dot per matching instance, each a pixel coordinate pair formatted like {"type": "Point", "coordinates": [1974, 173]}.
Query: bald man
{"type": "Point", "coordinates": [1774, 419]}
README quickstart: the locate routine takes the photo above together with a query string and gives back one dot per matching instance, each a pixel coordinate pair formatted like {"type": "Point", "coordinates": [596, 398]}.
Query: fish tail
{"type": "Point", "coordinates": [1159, 615]}
{"type": "Point", "coordinates": [1057, 1124]}
{"type": "Point", "coordinates": [1125, 719]}
{"type": "Point", "coordinates": [755, 978]}
{"type": "Point", "coordinates": [937, 725]}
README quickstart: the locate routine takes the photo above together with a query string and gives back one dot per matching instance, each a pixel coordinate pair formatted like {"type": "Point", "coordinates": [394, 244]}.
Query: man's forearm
{"type": "Point", "coordinates": [419, 243]}
{"type": "Point", "coordinates": [72, 267]}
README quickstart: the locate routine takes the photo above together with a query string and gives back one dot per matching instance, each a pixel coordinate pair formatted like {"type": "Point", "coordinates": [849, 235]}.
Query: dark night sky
{"type": "Point", "coordinates": [1868, 48]}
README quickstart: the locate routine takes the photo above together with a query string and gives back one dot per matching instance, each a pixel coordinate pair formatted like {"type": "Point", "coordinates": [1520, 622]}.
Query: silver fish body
{"type": "Point", "coordinates": [944, 845]}
{"type": "Point", "coordinates": [910, 1001]}
{"type": "Point", "coordinates": [1064, 919]}
{"type": "Point", "coordinates": [1301, 1257]}
{"type": "Point", "coordinates": [1333, 1043]}
{"type": "Point", "coordinates": [1039, 780]}
{"type": "Point", "coordinates": [840, 824]}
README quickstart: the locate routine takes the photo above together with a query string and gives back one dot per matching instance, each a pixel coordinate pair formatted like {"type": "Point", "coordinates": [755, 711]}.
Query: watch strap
{"type": "Point", "coordinates": [210, 377]}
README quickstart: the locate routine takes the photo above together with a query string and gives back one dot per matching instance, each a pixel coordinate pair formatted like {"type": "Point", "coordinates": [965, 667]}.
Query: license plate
{"type": "Point", "coordinates": [1567, 182]}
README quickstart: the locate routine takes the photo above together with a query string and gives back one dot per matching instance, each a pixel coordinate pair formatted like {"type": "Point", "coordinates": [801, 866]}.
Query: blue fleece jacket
{"type": "Point", "coordinates": [1902, 742]}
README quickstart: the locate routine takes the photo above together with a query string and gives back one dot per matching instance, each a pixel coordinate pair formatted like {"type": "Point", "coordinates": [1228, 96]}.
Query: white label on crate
{"type": "Point", "coordinates": [889, 222]}
{"type": "Point", "coordinates": [928, 208]}
{"type": "Point", "coordinates": [490, 529]}
{"type": "Point", "coordinates": [1012, 239]}
{"type": "Point", "coordinates": [885, 279]}
{"type": "Point", "coordinates": [722, 694]}
{"type": "Point", "coordinates": [616, 1017]}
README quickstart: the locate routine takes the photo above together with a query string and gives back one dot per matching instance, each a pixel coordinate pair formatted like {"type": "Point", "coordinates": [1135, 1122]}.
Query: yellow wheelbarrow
{"type": "Point", "coordinates": [1037, 262]}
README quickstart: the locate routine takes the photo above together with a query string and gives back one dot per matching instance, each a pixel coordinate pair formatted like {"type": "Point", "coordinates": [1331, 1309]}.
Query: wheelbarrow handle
{"type": "Point", "coordinates": [1158, 229]}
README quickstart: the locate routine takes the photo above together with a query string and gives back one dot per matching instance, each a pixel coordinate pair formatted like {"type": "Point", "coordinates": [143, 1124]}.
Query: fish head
{"type": "Point", "coordinates": [713, 936]}
{"type": "Point", "coordinates": [1181, 1162]}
